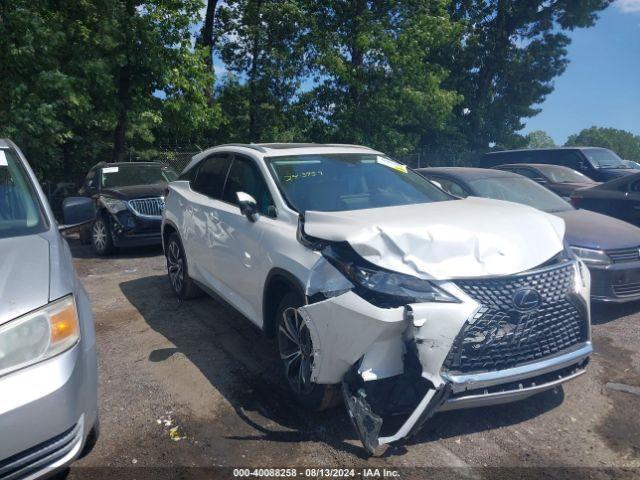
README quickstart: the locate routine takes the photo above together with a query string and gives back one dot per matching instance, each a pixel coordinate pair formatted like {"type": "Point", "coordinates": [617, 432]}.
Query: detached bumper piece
{"type": "Point", "coordinates": [48, 455]}
{"type": "Point", "coordinates": [368, 424]}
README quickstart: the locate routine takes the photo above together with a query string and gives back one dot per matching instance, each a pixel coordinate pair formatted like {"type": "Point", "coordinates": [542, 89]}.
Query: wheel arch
{"type": "Point", "coordinates": [278, 283]}
{"type": "Point", "coordinates": [168, 227]}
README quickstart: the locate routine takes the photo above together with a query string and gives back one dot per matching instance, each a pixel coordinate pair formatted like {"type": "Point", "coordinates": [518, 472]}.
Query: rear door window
{"type": "Point", "coordinates": [566, 158]}
{"type": "Point", "coordinates": [211, 176]}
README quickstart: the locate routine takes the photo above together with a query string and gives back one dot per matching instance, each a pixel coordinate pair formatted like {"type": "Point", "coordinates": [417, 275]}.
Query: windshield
{"type": "Point", "coordinates": [519, 190]}
{"type": "Point", "coordinates": [603, 158]}
{"type": "Point", "coordinates": [136, 174]}
{"type": "Point", "coordinates": [20, 210]}
{"type": "Point", "coordinates": [338, 182]}
{"type": "Point", "coordinates": [563, 175]}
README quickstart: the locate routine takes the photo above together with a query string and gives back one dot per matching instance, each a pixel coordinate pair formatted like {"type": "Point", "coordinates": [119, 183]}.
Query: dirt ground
{"type": "Point", "coordinates": [195, 385]}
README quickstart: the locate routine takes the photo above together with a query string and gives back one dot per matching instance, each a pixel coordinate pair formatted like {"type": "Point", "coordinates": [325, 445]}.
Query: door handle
{"type": "Point", "coordinates": [636, 207]}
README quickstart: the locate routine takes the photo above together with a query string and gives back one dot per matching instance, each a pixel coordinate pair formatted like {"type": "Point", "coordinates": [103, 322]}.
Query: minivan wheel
{"type": "Point", "coordinates": [296, 350]}
{"type": "Point", "coordinates": [183, 287]}
{"type": "Point", "coordinates": [101, 236]}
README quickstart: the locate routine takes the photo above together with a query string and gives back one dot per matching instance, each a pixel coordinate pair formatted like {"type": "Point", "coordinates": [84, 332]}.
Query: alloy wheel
{"type": "Point", "coordinates": [99, 232]}
{"type": "Point", "coordinates": [296, 350]}
{"type": "Point", "coordinates": [175, 267]}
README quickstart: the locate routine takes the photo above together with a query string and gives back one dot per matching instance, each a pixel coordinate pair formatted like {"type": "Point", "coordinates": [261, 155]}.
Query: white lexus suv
{"type": "Point", "coordinates": [377, 284]}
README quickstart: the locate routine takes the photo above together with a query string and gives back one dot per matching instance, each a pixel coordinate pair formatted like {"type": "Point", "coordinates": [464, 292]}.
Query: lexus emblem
{"type": "Point", "coordinates": [526, 299]}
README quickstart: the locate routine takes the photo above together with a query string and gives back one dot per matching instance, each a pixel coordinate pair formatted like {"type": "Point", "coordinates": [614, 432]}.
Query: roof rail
{"type": "Point", "coordinates": [252, 146]}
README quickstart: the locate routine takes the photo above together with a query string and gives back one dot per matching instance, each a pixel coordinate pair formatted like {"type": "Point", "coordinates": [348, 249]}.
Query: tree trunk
{"type": "Point", "coordinates": [124, 100]}
{"type": "Point", "coordinates": [207, 41]}
{"type": "Point", "coordinates": [124, 88]}
{"type": "Point", "coordinates": [254, 130]}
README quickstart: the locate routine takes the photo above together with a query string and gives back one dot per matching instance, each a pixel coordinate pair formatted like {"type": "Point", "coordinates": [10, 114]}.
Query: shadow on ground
{"type": "Point", "coordinates": [79, 250]}
{"type": "Point", "coordinates": [602, 313]}
{"type": "Point", "coordinates": [242, 365]}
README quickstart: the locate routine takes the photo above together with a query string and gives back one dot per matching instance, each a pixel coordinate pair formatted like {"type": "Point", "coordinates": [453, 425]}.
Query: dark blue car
{"type": "Point", "coordinates": [608, 246]}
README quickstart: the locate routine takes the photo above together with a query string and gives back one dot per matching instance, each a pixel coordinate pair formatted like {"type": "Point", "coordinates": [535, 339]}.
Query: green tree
{"type": "Point", "coordinates": [262, 44]}
{"type": "Point", "coordinates": [512, 51]}
{"type": "Point", "coordinates": [377, 72]}
{"type": "Point", "coordinates": [539, 139]}
{"type": "Point", "coordinates": [161, 81]}
{"type": "Point", "coordinates": [55, 84]}
{"type": "Point", "coordinates": [85, 80]}
{"type": "Point", "coordinates": [624, 143]}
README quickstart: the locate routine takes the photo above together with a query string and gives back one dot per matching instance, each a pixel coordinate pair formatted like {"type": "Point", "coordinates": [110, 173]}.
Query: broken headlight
{"type": "Point", "coordinates": [113, 204]}
{"type": "Point", "coordinates": [383, 288]}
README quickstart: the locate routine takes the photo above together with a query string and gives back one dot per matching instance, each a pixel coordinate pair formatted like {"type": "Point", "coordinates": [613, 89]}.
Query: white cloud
{"type": "Point", "coordinates": [628, 6]}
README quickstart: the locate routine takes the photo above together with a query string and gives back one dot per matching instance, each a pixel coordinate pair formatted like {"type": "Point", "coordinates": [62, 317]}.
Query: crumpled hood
{"type": "Point", "coordinates": [594, 230]}
{"type": "Point", "coordinates": [24, 275]}
{"type": "Point", "coordinates": [474, 237]}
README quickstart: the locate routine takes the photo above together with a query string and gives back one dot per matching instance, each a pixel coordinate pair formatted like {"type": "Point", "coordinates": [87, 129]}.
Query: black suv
{"type": "Point", "coordinates": [599, 164]}
{"type": "Point", "coordinates": [129, 199]}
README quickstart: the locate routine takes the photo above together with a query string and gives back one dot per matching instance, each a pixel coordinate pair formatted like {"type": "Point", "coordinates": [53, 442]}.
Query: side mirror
{"type": "Point", "coordinates": [77, 211]}
{"type": "Point", "coordinates": [248, 206]}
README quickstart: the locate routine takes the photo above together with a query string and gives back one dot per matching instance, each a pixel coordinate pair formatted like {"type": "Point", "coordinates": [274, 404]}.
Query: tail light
{"type": "Point", "coordinates": [575, 201]}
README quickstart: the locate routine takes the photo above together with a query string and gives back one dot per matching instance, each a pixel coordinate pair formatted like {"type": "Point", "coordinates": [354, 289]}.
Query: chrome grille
{"type": "Point", "coordinates": [499, 336]}
{"type": "Point", "coordinates": [621, 255]}
{"type": "Point", "coordinates": [147, 207]}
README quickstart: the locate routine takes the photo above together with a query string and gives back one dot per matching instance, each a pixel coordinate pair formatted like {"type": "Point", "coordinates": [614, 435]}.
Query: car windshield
{"type": "Point", "coordinates": [338, 182]}
{"type": "Point", "coordinates": [519, 190]}
{"type": "Point", "coordinates": [563, 175]}
{"type": "Point", "coordinates": [603, 158]}
{"type": "Point", "coordinates": [136, 174]}
{"type": "Point", "coordinates": [20, 209]}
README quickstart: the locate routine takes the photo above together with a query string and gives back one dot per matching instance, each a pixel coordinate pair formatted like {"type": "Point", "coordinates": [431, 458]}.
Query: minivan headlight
{"type": "Point", "coordinates": [591, 256]}
{"type": "Point", "coordinates": [39, 335]}
{"type": "Point", "coordinates": [385, 288]}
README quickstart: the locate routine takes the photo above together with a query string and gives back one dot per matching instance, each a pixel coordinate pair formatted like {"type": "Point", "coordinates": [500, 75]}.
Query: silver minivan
{"type": "Point", "coordinates": [48, 379]}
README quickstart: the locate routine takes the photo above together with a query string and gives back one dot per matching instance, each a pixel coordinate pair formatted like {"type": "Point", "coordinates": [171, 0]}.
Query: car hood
{"type": "Point", "coordinates": [135, 191]}
{"type": "Point", "coordinates": [474, 237]}
{"type": "Point", "coordinates": [24, 275]}
{"type": "Point", "coordinates": [594, 230]}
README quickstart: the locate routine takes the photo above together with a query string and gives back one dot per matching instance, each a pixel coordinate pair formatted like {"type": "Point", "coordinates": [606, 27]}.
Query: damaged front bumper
{"type": "Point", "coordinates": [423, 358]}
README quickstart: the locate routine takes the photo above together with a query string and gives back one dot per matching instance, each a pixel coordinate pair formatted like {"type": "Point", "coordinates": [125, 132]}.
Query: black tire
{"type": "Point", "coordinates": [101, 236]}
{"type": "Point", "coordinates": [297, 370]}
{"type": "Point", "coordinates": [178, 270]}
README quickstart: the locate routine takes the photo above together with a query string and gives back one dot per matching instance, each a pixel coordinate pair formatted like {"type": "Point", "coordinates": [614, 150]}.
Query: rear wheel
{"type": "Point", "coordinates": [182, 286]}
{"type": "Point", "coordinates": [101, 236]}
{"type": "Point", "coordinates": [296, 350]}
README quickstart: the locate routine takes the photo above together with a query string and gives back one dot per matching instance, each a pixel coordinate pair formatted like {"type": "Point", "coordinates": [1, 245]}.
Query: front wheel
{"type": "Point", "coordinates": [101, 236]}
{"type": "Point", "coordinates": [296, 350]}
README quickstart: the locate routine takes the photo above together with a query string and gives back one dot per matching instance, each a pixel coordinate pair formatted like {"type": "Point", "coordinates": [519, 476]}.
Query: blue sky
{"type": "Point", "coordinates": [601, 85]}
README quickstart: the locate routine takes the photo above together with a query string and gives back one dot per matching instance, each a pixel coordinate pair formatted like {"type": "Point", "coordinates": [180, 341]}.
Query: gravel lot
{"type": "Point", "coordinates": [202, 368]}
